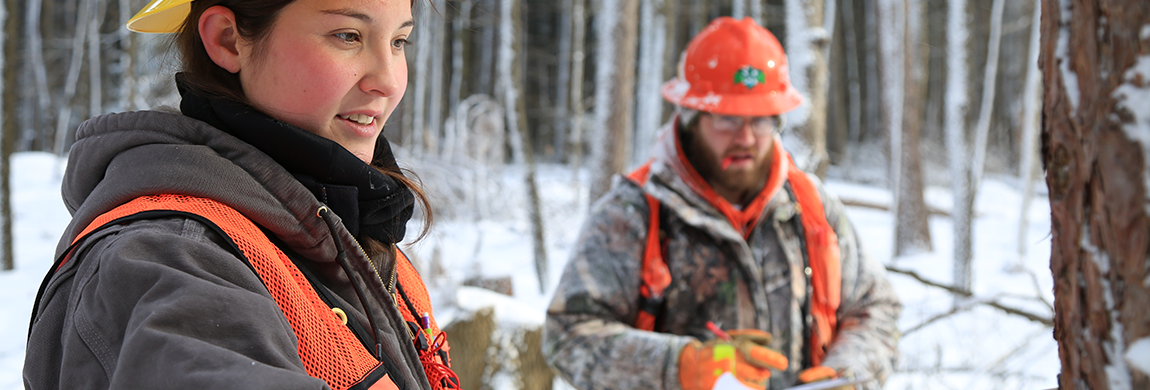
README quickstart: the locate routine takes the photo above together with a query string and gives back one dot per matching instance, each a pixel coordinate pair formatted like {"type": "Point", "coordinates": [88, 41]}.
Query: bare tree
{"type": "Point", "coordinates": [578, 37]}
{"type": "Point", "coordinates": [10, 22]}
{"type": "Point", "coordinates": [956, 145]}
{"type": "Point", "coordinates": [511, 80]}
{"type": "Point", "coordinates": [95, 71]}
{"type": "Point", "coordinates": [1096, 151]}
{"type": "Point", "coordinates": [806, 39]}
{"type": "Point", "coordinates": [652, 45]}
{"type": "Point", "coordinates": [912, 228]}
{"type": "Point", "coordinates": [1028, 170]}
{"type": "Point", "coordinates": [616, 34]}
{"type": "Point", "coordinates": [64, 121]}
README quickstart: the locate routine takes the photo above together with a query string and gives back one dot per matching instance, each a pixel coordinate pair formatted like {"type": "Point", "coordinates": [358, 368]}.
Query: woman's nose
{"type": "Point", "coordinates": [386, 76]}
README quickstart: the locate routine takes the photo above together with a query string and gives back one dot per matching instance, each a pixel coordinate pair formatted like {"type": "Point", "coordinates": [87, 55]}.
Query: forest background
{"type": "Point", "coordinates": [904, 96]}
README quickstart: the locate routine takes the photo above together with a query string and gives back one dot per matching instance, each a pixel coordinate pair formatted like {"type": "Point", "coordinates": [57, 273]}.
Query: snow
{"type": "Point", "coordinates": [1133, 97]}
{"type": "Point", "coordinates": [1138, 355]}
{"type": "Point", "coordinates": [1061, 55]}
{"type": "Point", "coordinates": [976, 348]}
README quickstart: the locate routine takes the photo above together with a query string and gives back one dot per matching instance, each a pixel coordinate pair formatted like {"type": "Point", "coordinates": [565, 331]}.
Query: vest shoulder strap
{"type": "Point", "coordinates": [821, 247]}
{"type": "Point", "coordinates": [327, 348]}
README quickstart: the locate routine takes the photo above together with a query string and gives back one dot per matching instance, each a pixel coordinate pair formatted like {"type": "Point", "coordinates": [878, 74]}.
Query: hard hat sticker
{"type": "Point", "coordinates": [749, 76]}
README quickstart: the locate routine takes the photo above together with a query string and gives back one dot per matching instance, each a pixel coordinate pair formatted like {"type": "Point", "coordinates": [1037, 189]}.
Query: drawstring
{"type": "Point", "coordinates": [438, 373]}
{"type": "Point", "coordinates": [341, 257]}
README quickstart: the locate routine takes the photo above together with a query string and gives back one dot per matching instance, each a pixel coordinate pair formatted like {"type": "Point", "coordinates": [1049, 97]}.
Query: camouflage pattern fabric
{"type": "Point", "coordinates": [759, 282]}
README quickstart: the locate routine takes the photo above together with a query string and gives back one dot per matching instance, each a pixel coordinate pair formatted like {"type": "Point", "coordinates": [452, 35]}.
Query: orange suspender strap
{"type": "Point", "coordinates": [823, 253]}
{"type": "Point", "coordinates": [328, 349]}
{"type": "Point", "coordinates": [656, 276]}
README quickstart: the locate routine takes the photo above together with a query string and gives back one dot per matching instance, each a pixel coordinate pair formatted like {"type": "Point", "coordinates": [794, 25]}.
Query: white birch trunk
{"type": "Point", "coordinates": [799, 61]}
{"type": "Point", "coordinates": [127, 57]}
{"type": "Point", "coordinates": [854, 97]}
{"type": "Point", "coordinates": [436, 75]}
{"type": "Point", "coordinates": [423, 46]}
{"type": "Point", "coordinates": [989, 80]}
{"type": "Point", "coordinates": [649, 107]}
{"type": "Point", "coordinates": [892, 24]}
{"type": "Point", "coordinates": [956, 145]}
{"type": "Point", "coordinates": [1032, 100]}
{"type": "Point", "coordinates": [579, 36]}
{"type": "Point", "coordinates": [510, 80]}
{"type": "Point", "coordinates": [95, 71]}
{"type": "Point", "coordinates": [70, 81]}
{"type": "Point", "coordinates": [455, 129]}
{"type": "Point", "coordinates": [563, 82]}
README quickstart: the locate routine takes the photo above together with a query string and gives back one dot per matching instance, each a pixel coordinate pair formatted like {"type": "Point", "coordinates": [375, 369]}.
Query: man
{"type": "Point", "coordinates": [719, 265]}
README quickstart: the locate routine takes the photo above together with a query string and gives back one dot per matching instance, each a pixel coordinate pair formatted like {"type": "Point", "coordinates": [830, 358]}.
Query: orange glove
{"type": "Point", "coordinates": [821, 373]}
{"type": "Point", "coordinates": [744, 360]}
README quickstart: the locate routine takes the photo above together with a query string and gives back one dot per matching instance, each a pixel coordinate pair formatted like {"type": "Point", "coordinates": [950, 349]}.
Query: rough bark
{"type": "Point", "coordinates": [912, 230]}
{"type": "Point", "coordinates": [11, 24]}
{"type": "Point", "coordinates": [511, 77]}
{"type": "Point", "coordinates": [616, 34]}
{"type": "Point", "coordinates": [1095, 148]}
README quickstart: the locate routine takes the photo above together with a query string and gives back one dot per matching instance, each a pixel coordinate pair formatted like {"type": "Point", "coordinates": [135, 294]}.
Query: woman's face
{"type": "Point", "coordinates": [335, 68]}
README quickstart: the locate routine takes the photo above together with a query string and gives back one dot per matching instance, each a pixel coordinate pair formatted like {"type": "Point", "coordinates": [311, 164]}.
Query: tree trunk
{"type": "Point", "coordinates": [578, 40]}
{"type": "Point", "coordinates": [1028, 170]}
{"type": "Point", "coordinates": [511, 77]}
{"type": "Point", "coordinates": [95, 70]}
{"type": "Point", "coordinates": [650, 101]}
{"type": "Point", "coordinates": [64, 122]}
{"type": "Point", "coordinates": [854, 95]}
{"type": "Point", "coordinates": [616, 35]}
{"type": "Point", "coordinates": [990, 77]}
{"type": "Point", "coordinates": [438, 40]}
{"type": "Point", "coordinates": [956, 145]}
{"type": "Point", "coordinates": [8, 54]}
{"type": "Point", "coordinates": [806, 39]}
{"type": "Point", "coordinates": [1096, 151]}
{"type": "Point", "coordinates": [461, 25]}
{"type": "Point", "coordinates": [127, 58]}
{"type": "Point", "coordinates": [912, 230]}
{"type": "Point", "coordinates": [563, 81]}
{"type": "Point", "coordinates": [421, 80]}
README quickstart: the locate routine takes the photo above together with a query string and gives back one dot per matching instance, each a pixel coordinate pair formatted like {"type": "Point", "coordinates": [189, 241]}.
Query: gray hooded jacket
{"type": "Point", "coordinates": [162, 303]}
{"type": "Point", "coordinates": [718, 276]}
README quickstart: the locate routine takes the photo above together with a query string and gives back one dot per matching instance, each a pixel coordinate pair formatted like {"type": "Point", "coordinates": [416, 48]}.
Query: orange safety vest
{"type": "Point", "coordinates": [328, 348]}
{"type": "Point", "coordinates": [822, 250]}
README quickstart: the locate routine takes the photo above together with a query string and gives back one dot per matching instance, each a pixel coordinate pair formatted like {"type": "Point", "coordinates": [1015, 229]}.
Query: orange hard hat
{"type": "Point", "coordinates": [733, 67]}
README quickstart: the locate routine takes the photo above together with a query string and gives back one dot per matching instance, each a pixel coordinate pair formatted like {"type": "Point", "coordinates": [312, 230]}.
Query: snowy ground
{"type": "Point", "coordinates": [975, 348]}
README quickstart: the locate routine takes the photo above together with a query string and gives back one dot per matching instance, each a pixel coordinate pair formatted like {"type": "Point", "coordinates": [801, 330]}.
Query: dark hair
{"type": "Point", "coordinates": [254, 20]}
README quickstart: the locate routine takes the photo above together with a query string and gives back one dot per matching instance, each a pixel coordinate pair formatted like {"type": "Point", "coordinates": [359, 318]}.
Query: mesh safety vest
{"type": "Point", "coordinates": [821, 248]}
{"type": "Point", "coordinates": [328, 348]}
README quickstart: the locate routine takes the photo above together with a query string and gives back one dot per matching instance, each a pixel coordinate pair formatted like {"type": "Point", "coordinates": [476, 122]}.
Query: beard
{"type": "Point", "coordinates": [744, 181]}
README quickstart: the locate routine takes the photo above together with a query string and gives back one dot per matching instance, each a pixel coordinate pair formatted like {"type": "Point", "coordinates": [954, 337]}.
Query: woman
{"type": "Point", "coordinates": [220, 247]}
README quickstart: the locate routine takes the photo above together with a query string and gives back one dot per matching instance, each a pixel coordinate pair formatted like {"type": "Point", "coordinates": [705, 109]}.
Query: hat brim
{"type": "Point", "coordinates": [677, 91]}
{"type": "Point", "coordinates": [160, 16]}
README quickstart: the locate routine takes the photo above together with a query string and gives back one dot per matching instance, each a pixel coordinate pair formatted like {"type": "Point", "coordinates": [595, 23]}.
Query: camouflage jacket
{"type": "Point", "coordinates": [717, 275]}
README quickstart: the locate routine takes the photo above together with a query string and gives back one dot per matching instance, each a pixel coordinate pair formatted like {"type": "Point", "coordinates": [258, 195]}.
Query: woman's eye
{"type": "Point", "coordinates": [347, 37]}
{"type": "Point", "coordinates": [399, 43]}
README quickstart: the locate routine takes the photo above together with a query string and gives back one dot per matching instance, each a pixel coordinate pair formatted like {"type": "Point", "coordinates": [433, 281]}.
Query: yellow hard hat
{"type": "Point", "coordinates": [160, 16]}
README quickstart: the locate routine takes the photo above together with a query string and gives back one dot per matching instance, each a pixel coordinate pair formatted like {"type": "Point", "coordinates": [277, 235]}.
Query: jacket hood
{"type": "Point", "coordinates": [119, 157]}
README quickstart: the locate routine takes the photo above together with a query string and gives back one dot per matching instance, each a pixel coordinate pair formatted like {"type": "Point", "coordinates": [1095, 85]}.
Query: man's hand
{"type": "Point", "coordinates": [745, 357]}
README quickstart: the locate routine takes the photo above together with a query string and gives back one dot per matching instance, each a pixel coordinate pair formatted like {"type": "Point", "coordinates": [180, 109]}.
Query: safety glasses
{"type": "Point", "coordinates": [761, 126]}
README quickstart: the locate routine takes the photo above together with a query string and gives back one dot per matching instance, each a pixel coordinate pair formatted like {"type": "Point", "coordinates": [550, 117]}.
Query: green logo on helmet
{"type": "Point", "coordinates": [749, 76]}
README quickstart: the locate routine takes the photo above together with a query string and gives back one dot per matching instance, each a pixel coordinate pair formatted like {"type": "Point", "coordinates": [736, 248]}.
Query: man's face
{"type": "Point", "coordinates": [732, 153]}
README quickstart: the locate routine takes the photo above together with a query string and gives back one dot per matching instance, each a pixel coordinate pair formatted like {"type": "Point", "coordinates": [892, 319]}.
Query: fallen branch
{"type": "Point", "coordinates": [967, 294]}
{"type": "Point", "coordinates": [883, 206]}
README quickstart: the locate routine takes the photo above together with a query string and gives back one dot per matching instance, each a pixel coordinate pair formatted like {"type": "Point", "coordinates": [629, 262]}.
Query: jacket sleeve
{"type": "Point", "coordinates": [589, 338]}
{"type": "Point", "coordinates": [162, 304]}
{"type": "Point", "coordinates": [866, 344]}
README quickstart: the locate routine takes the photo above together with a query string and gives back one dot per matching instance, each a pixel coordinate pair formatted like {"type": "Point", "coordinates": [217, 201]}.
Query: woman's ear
{"type": "Point", "coordinates": [218, 31]}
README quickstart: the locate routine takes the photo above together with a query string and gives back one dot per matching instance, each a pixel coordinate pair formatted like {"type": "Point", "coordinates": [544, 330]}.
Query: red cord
{"type": "Point", "coordinates": [437, 372]}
